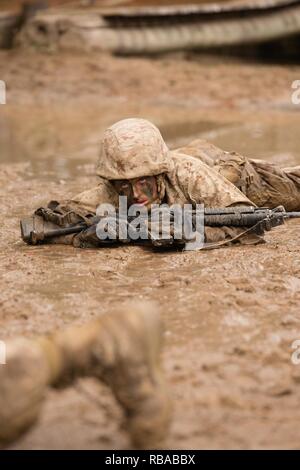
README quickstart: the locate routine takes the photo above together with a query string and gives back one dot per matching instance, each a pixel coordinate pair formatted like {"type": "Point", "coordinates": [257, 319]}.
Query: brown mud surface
{"type": "Point", "coordinates": [231, 314]}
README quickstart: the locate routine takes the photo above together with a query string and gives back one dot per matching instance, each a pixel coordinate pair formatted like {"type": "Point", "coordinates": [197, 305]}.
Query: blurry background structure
{"type": "Point", "coordinates": [137, 27]}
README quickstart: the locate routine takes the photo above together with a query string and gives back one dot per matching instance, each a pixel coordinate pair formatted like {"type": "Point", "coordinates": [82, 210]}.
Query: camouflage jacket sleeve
{"type": "Point", "coordinates": [92, 198]}
{"type": "Point", "coordinates": [200, 184]}
{"type": "Point", "coordinates": [80, 208]}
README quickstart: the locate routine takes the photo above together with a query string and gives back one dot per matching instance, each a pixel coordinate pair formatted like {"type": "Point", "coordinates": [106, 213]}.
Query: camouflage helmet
{"type": "Point", "coordinates": [132, 148]}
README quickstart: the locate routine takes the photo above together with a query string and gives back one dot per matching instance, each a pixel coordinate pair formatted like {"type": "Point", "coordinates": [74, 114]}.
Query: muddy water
{"type": "Point", "coordinates": [276, 139]}
{"type": "Point", "coordinates": [41, 155]}
{"type": "Point", "coordinates": [273, 139]}
{"type": "Point", "coordinates": [230, 315]}
{"type": "Point", "coordinates": [135, 271]}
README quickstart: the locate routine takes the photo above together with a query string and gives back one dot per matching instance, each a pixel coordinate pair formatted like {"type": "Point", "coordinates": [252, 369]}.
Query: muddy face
{"type": "Point", "coordinates": [142, 191]}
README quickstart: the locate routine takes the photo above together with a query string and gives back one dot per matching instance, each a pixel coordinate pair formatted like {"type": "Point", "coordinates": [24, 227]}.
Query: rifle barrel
{"type": "Point", "coordinates": [64, 231]}
{"type": "Point", "coordinates": [292, 215]}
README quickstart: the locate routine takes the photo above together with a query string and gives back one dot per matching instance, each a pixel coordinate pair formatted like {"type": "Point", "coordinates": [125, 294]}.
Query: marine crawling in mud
{"type": "Point", "coordinates": [135, 162]}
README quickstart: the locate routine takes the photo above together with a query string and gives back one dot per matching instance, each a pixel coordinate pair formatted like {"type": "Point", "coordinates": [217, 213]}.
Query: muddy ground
{"type": "Point", "coordinates": [231, 314]}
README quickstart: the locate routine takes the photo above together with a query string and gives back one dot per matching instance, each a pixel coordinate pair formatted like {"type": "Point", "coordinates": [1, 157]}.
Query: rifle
{"type": "Point", "coordinates": [35, 230]}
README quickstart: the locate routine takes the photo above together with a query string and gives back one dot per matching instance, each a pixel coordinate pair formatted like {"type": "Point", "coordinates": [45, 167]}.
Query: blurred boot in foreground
{"type": "Point", "coordinates": [122, 349]}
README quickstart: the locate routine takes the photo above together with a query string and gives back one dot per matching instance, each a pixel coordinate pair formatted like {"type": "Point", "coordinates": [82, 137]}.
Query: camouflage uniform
{"type": "Point", "coordinates": [121, 348]}
{"type": "Point", "coordinates": [133, 148]}
{"type": "Point", "coordinates": [197, 173]}
{"type": "Point", "coordinates": [264, 183]}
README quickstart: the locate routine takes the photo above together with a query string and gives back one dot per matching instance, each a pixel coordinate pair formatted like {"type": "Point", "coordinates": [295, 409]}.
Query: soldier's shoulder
{"type": "Point", "coordinates": [184, 161]}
